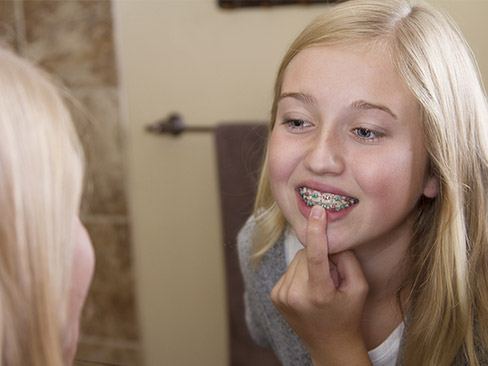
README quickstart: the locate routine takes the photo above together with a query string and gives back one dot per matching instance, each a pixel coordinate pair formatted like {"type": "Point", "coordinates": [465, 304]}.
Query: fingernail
{"type": "Point", "coordinates": [317, 212]}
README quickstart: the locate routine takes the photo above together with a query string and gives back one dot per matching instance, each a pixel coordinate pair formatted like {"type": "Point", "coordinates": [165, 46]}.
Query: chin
{"type": "Point", "coordinates": [334, 249]}
{"type": "Point", "coordinates": [334, 245]}
{"type": "Point", "coordinates": [339, 244]}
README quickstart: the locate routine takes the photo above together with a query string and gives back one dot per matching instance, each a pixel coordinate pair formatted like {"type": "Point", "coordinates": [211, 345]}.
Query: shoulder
{"type": "Point", "coordinates": [245, 235]}
{"type": "Point", "coordinates": [245, 241]}
{"type": "Point", "coordinates": [269, 265]}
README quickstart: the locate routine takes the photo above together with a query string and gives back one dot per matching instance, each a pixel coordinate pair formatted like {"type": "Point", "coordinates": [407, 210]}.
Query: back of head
{"type": "Point", "coordinates": [40, 185]}
{"type": "Point", "coordinates": [450, 245]}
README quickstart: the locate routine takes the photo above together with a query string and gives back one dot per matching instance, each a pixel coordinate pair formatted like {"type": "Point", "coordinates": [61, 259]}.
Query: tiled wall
{"type": "Point", "coordinates": [74, 40]}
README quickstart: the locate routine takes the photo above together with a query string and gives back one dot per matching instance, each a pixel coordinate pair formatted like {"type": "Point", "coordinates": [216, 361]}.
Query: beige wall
{"type": "Point", "coordinates": [471, 16]}
{"type": "Point", "coordinates": [210, 65]}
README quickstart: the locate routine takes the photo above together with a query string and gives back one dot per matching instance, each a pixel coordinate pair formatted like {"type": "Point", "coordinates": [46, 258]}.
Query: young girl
{"type": "Point", "coordinates": [368, 243]}
{"type": "Point", "coordinates": [46, 260]}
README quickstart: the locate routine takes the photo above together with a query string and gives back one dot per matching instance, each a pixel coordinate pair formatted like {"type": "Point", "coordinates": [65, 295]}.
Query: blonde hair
{"type": "Point", "coordinates": [449, 252]}
{"type": "Point", "coordinates": [41, 169]}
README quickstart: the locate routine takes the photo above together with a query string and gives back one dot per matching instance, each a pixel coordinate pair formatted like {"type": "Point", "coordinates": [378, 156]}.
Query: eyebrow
{"type": "Point", "coordinates": [363, 105]}
{"type": "Point", "coordinates": [305, 98]}
{"type": "Point", "coordinates": [358, 104]}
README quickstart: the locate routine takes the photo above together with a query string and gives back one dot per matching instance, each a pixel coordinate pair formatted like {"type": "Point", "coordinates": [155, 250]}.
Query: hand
{"type": "Point", "coordinates": [322, 298]}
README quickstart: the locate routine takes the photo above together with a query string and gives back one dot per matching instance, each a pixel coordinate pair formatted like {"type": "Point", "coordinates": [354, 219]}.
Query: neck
{"type": "Point", "coordinates": [385, 266]}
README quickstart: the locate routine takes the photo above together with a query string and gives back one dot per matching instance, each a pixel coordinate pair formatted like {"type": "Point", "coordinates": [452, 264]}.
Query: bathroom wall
{"type": "Point", "coordinates": [74, 41]}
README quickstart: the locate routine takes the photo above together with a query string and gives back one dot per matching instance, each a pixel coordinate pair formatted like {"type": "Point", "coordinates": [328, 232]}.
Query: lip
{"type": "Point", "coordinates": [331, 215]}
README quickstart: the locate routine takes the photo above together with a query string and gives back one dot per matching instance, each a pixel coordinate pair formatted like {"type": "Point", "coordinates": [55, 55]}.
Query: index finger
{"type": "Point", "coordinates": [317, 250]}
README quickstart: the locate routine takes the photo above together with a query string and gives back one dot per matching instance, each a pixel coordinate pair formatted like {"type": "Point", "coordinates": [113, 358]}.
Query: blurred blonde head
{"type": "Point", "coordinates": [449, 252]}
{"type": "Point", "coordinates": [41, 169]}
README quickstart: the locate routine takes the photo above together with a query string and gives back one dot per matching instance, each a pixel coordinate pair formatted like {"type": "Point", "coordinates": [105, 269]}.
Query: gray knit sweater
{"type": "Point", "coordinates": [266, 325]}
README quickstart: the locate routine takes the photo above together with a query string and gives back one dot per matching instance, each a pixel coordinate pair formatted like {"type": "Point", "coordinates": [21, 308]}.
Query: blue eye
{"type": "Point", "coordinates": [366, 134]}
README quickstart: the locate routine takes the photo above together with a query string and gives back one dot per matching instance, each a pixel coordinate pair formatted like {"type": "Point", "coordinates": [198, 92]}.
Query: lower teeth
{"type": "Point", "coordinates": [328, 201]}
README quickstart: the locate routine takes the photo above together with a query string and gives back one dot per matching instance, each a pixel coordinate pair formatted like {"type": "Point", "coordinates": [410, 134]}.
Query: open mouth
{"type": "Point", "coordinates": [329, 201]}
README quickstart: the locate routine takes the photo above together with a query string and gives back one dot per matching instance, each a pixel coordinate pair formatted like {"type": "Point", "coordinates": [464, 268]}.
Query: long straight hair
{"type": "Point", "coordinates": [449, 251]}
{"type": "Point", "coordinates": [41, 169]}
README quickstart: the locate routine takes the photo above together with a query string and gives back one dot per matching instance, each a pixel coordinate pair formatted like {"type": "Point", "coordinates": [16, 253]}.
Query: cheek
{"type": "Point", "coordinates": [377, 185]}
{"type": "Point", "coordinates": [395, 180]}
{"type": "Point", "coordinates": [278, 169]}
{"type": "Point", "coordinates": [281, 161]}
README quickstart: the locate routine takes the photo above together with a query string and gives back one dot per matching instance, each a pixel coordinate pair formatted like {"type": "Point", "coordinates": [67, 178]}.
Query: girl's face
{"type": "Point", "coordinates": [347, 125]}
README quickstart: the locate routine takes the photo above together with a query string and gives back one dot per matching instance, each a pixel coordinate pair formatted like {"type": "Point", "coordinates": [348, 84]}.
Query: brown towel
{"type": "Point", "coordinates": [240, 151]}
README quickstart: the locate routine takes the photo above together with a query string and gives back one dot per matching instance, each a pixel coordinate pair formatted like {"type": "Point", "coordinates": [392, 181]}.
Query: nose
{"type": "Point", "coordinates": [325, 154]}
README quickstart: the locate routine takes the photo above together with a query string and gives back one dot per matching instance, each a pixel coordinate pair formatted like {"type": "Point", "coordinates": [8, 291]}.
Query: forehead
{"type": "Point", "coordinates": [346, 73]}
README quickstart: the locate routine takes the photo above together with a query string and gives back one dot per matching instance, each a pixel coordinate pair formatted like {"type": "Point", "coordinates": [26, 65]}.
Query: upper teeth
{"type": "Point", "coordinates": [329, 201]}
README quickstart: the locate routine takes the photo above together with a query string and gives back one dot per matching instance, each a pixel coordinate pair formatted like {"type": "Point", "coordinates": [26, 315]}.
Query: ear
{"type": "Point", "coordinates": [431, 187]}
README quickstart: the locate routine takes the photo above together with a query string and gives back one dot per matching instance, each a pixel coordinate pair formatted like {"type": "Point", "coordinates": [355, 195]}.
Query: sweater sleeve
{"type": "Point", "coordinates": [252, 312]}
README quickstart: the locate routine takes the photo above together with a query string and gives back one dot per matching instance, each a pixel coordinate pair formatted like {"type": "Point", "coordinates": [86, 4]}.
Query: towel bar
{"type": "Point", "coordinates": [174, 125]}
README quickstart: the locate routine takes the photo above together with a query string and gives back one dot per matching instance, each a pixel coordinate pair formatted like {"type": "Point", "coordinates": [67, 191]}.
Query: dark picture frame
{"type": "Point", "coordinates": [230, 4]}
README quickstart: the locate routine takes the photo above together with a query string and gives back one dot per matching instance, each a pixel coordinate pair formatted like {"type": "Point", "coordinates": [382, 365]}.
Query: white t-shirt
{"type": "Point", "coordinates": [387, 352]}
